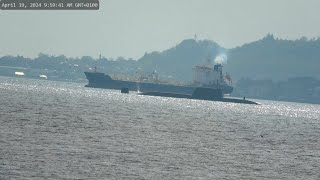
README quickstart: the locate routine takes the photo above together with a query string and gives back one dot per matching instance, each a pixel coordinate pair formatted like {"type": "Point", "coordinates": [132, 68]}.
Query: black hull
{"type": "Point", "coordinates": [100, 80]}
{"type": "Point", "coordinates": [210, 97]}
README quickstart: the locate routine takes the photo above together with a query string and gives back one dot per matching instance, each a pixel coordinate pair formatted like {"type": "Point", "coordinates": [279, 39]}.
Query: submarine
{"type": "Point", "coordinates": [201, 93]}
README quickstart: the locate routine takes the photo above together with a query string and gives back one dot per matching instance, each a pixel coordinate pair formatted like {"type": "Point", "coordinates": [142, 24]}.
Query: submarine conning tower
{"type": "Point", "coordinates": [207, 93]}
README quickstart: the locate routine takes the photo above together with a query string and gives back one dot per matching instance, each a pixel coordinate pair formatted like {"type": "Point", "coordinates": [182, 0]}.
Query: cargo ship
{"type": "Point", "coordinates": [204, 76]}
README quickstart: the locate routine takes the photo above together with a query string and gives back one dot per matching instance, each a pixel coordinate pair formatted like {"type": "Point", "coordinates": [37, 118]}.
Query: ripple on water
{"type": "Point", "coordinates": [63, 130]}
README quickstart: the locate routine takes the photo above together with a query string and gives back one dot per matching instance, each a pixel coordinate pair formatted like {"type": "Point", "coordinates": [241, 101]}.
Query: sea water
{"type": "Point", "coordinates": [58, 130]}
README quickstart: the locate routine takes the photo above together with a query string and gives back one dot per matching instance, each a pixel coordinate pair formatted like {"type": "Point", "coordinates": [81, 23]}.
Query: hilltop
{"type": "Point", "coordinates": [267, 58]}
{"type": "Point", "coordinates": [275, 59]}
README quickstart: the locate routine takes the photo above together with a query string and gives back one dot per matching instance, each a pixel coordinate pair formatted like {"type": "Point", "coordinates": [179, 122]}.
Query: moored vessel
{"type": "Point", "coordinates": [204, 76]}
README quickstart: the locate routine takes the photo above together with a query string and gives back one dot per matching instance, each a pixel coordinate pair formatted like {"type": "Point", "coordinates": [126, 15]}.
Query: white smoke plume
{"type": "Point", "coordinates": [221, 59]}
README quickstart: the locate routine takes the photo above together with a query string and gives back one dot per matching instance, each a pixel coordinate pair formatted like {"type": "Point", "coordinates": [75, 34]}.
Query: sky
{"type": "Point", "coordinates": [130, 28]}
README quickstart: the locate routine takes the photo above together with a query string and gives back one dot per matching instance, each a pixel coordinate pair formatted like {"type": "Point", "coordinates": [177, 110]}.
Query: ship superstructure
{"type": "Point", "coordinates": [210, 76]}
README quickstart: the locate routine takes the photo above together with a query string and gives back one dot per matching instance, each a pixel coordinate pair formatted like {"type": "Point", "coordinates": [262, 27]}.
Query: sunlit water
{"type": "Point", "coordinates": [64, 130]}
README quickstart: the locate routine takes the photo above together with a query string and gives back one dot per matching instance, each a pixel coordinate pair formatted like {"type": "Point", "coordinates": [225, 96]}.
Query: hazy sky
{"type": "Point", "coordinates": [130, 28]}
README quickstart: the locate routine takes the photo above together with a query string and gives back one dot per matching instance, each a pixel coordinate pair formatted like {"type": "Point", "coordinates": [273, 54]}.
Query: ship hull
{"type": "Point", "coordinates": [100, 80]}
